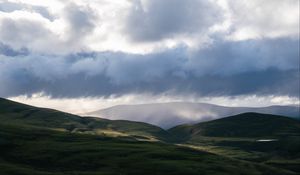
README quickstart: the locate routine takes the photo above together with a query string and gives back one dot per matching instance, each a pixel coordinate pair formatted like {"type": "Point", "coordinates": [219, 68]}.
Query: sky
{"type": "Point", "coordinates": [83, 55]}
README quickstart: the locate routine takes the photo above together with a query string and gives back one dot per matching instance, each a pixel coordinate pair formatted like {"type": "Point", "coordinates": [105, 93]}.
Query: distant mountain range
{"type": "Point", "coordinates": [167, 115]}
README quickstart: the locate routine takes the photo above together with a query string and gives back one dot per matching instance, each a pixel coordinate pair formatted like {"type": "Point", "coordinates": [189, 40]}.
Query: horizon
{"type": "Point", "coordinates": [170, 114]}
{"type": "Point", "coordinates": [170, 117]}
{"type": "Point", "coordinates": [83, 106]}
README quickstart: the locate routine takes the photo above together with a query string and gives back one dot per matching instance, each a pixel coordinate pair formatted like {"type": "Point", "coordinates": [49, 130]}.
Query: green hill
{"type": "Point", "coordinates": [268, 139]}
{"type": "Point", "coordinates": [20, 114]}
{"type": "Point", "coordinates": [242, 125]}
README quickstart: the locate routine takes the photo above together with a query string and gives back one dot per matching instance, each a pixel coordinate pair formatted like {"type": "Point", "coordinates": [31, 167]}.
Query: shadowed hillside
{"type": "Point", "coordinates": [242, 125]}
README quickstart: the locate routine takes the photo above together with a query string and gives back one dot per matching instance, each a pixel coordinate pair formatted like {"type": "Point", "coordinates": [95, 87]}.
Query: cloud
{"type": "Point", "coordinates": [28, 30]}
{"type": "Point", "coordinates": [155, 20]}
{"type": "Point", "coordinates": [259, 19]}
{"type": "Point", "coordinates": [262, 67]}
{"type": "Point", "coordinates": [33, 27]}
{"type": "Point", "coordinates": [8, 51]}
{"type": "Point", "coordinates": [7, 6]}
{"type": "Point", "coordinates": [141, 26]}
{"type": "Point", "coordinates": [112, 48]}
{"type": "Point", "coordinates": [230, 57]}
{"type": "Point", "coordinates": [80, 21]}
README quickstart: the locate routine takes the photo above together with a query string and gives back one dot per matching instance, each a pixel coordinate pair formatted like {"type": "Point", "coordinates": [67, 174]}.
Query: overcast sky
{"type": "Point", "coordinates": [82, 55]}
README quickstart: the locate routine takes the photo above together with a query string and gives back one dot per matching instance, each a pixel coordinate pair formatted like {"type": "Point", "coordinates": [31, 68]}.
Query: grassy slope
{"type": "Point", "coordinates": [237, 136]}
{"type": "Point", "coordinates": [17, 113]}
{"type": "Point", "coordinates": [242, 125]}
{"type": "Point", "coordinates": [28, 150]}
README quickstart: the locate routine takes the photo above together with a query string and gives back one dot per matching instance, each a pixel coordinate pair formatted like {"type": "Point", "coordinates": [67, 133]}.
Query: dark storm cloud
{"type": "Point", "coordinates": [155, 20]}
{"type": "Point", "coordinates": [261, 67]}
{"type": "Point", "coordinates": [268, 82]}
{"type": "Point", "coordinates": [226, 58]}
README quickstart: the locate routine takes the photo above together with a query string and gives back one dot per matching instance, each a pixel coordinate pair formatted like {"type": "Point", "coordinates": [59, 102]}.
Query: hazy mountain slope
{"type": "Point", "coordinates": [167, 115]}
{"type": "Point", "coordinates": [17, 113]}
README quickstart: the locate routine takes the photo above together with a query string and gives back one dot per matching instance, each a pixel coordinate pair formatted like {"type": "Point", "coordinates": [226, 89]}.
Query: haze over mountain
{"type": "Point", "coordinates": [167, 115]}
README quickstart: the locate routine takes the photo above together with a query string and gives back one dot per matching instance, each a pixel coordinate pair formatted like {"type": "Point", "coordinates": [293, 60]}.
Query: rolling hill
{"type": "Point", "coordinates": [48, 142]}
{"type": "Point", "coordinates": [19, 114]}
{"type": "Point", "coordinates": [242, 125]}
{"type": "Point", "coordinates": [268, 139]}
{"type": "Point", "coordinates": [167, 115]}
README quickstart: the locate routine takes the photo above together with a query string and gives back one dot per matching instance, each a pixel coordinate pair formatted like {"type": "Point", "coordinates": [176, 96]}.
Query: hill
{"type": "Point", "coordinates": [268, 139]}
{"type": "Point", "coordinates": [242, 125]}
{"type": "Point", "coordinates": [20, 114]}
{"type": "Point", "coordinates": [167, 115]}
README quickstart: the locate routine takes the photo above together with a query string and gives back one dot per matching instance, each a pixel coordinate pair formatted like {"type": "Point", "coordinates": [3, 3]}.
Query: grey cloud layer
{"type": "Point", "coordinates": [70, 50]}
{"type": "Point", "coordinates": [155, 20]}
{"type": "Point", "coordinates": [225, 58]}
{"type": "Point", "coordinates": [262, 67]}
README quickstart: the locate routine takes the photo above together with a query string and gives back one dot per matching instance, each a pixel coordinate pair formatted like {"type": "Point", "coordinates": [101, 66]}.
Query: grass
{"type": "Point", "coordinates": [237, 137]}
{"type": "Point", "coordinates": [26, 150]}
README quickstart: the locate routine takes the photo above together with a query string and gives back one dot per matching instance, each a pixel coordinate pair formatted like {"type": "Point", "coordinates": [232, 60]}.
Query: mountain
{"type": "Point", "coordinates": [167, 115]}
{"type": "Point", "coordinates": [14, 113]}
